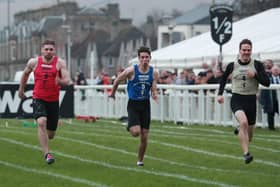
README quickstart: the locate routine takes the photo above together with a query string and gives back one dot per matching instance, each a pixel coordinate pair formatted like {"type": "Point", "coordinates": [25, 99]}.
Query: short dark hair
{"type": "Point", "coordinates": [48, 42]}
{"type": "Point", "coordinates": [143, 49]}
{"type": "Point", "coordinates": [245, 41]}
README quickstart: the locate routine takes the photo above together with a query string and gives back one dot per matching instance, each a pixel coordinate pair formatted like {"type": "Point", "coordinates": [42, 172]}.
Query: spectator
{"type": "Point", "coordinates": [105, 80]}
{"type": "Point", "coordinates": [268, 98]}
{"type": "Point", "coordinates": [268, 64]}
{"type": "Point", "coordinates": [181, 80]}
{"type": "Point", "coordinates": [81, 81]}
{"type": "Point", "coordinates": [191, 78]}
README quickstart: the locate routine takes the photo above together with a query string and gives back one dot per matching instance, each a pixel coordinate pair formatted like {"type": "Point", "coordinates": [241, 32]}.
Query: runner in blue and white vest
{"type": "Point", "coordinates": [142, 84]}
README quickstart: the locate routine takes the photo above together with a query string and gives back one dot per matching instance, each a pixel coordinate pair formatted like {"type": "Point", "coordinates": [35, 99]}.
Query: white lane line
{"type": "Point", "coordinates": [150, 157]}
{"type": "Point", "coordinates": [186, 127]}
{"type": "Point", "coordinates": [200, 137]}
{"type": "Point", "coordinates": [270, 163]}
{"type": "Point", "coordinates": [158, 159]}
{"type": "Point", "coordinates": [211, 132]}
{"type": "Point", "coordinates": [183, 135]}
{"type": "Point", "coordinates": [52, 174]}
{"type": "Point", "coordinates": [191, 135]}
{"type": "Point", "coordinates": [142, 170]}
{"type": "Point", "coordinates": [209, 135]}
{"type": "Point", "coordinates": [208, 153]}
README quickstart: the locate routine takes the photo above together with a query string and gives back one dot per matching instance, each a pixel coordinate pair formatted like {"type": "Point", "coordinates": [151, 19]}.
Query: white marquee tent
{"type": "Point", "coordinates": [262, 29]}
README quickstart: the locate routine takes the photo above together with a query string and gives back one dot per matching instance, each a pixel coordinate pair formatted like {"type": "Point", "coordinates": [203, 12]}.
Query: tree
{"type": "Point", "coordinates": [250, 7]}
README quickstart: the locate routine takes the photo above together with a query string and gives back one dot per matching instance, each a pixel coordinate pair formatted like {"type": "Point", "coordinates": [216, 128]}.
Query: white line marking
{"type": "Point", "coordinates": [210, 131]}
{"type": "Point", "coordinates": [185, 148]}
{"type": "Point", "coordinates": [177, 135]}
{"type": "Point", "coordinates": [52, 174]}
{"type": "Point", "coordinates": [147, 156]}
{"type": "Point", "coordinates": [142, 170]}
{"type": "Point", "coordinates": [201, 137]}
{"type": "Point", "coordinates": [270, 163]}
{"type": "Point", "coordinates": [158, 159]}
{"type": "Point", "coordinates": [213, 154]}
{"type": "Point", "coordinates": [183, 135]}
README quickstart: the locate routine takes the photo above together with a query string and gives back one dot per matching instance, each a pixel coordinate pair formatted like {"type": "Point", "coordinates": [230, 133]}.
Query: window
{"type": "Point", "coordinates": [110, 62]}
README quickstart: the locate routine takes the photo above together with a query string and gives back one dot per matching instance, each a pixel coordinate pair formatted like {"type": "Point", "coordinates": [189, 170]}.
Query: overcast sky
{"type": "Point", "coordinates": [135, 9]}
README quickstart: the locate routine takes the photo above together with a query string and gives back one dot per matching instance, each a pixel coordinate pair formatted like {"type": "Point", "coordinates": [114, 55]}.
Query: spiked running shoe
{"type": "Point", "coordinates": [248, 158]}
{"type": "Point", "coordinates": [139, 163]}
{"type": "Point", "coordinates": [49, 158]}
{"type": "Point", "coordinates": [236, 131]}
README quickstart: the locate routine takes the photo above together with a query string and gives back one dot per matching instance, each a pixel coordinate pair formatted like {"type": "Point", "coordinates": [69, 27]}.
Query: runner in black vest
{"type": "Point", "coordinates": [246, 76]}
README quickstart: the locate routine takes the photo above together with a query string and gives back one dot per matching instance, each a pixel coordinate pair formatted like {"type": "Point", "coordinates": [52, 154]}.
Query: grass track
{"type": "Point", "coordinates": [103, 154]}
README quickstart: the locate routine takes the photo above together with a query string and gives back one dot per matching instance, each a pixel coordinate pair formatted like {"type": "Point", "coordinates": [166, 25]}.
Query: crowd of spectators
{"type": "Point", "coordinates": [210, 74]}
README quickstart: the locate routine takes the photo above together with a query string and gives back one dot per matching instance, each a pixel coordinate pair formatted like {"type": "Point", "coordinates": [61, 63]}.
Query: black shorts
{"type": "Point", "coordinates": [246, 103]}
{"type": "Point", "coordinates": [139, 113]}
{"type": "Point", "coordinates": [50, 110]}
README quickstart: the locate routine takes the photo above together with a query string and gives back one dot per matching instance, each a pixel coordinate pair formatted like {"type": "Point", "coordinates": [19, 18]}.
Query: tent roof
{"type": "Point", "coordinates": [262, 29]}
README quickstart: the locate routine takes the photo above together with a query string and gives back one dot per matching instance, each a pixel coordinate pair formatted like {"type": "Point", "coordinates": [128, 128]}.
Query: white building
{"type": "Point", "coordinates": [193, 23]}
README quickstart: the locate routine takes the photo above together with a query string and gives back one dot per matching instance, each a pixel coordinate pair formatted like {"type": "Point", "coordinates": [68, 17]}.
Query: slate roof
{"type": "Point", "coordinates": [100, 37]}
{"type": "Point", "coordinates": [198, 15]}
{"type": "Point", "coordinates": [125, 35]}
{"type": "Point", "coordinates": [90, 11]}
{"type": "Point", "coordinates": [50, 22]}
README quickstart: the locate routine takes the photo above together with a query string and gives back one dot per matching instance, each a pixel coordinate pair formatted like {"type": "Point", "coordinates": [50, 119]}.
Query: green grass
{"type": "Point", "coordinates": [104, 154]}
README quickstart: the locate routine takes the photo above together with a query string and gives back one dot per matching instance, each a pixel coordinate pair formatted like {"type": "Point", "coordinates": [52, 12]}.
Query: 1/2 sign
{"type": "Point", "coordinates": [221, 23]}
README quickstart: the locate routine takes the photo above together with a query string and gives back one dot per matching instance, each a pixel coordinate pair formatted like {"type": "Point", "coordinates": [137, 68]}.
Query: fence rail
{"type": "Point", "coordinates": [186, 104]}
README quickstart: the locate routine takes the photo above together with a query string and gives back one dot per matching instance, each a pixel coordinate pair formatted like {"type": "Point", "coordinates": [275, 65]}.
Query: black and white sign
{"type": "Point", "coordinates": [221, 23]}
{"type": "Point", "coordinates": [12, 106]}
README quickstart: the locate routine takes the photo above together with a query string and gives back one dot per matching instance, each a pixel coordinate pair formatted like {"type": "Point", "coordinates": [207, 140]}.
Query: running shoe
{"type": "Point", "coordinates": [49, 158]}
{"type": "Point", "coordinates": [139, 163]}
{"type": "Point", "coordinates": [248, 158]}
{"type": "Point", "coordinates": [236, 131]}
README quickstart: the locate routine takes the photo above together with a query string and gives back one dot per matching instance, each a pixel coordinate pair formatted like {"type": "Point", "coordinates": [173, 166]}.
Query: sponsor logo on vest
{"type": "Point", "coordinates": [46, 66]}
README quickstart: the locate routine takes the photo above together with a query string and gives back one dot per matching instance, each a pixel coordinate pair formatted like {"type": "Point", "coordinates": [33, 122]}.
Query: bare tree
{"type": "Point", "coordinates": [250, 7]}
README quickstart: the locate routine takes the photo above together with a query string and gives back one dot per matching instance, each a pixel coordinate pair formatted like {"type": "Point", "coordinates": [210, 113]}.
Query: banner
{"type": "Point", "coordinates": [12, 106]}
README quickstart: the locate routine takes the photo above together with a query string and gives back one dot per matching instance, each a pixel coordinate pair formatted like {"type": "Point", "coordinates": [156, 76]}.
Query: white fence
{"type": "Point", "coordinates": [187, 104]}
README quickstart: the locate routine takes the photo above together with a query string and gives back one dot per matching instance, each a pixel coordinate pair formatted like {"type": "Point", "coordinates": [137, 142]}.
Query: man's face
{"type": "Point", "coordinates": [275, 71]}
{"type": "Point", "coordinates": [245, 52]}
{"type": "Point", "coordinates": [268, 64]}
{"type": "Point", "coordinates": [48, 51]}
{"type": "Point", "coordinates": [144, 58]}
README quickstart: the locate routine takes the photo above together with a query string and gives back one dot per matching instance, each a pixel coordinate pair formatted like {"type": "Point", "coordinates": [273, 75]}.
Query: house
{"type": "Point", "coordinates": [86, 56]}
{"type": "Point", "coordinates": [192, 23]}
{"type": "Point", "coordinates": [83, 30]}
{"type": "Point", "coordinates": [123, 48]}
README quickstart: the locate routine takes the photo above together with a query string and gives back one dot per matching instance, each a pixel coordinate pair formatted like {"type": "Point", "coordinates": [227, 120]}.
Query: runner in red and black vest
{"type": "Point", "coordinates": [50, 73]}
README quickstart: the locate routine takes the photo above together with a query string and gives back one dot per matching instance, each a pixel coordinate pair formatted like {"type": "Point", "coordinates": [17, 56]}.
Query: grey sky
{"type": "Point", "coordinates": [136, 9]}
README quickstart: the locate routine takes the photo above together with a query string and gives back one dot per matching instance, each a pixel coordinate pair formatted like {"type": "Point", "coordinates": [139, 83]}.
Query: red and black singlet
{"type": "Point", "coordinates": [45, 74]}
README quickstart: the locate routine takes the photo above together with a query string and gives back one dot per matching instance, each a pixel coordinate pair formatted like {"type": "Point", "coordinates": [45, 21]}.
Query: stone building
{"type": "Point", "coordinates": [87, 30]}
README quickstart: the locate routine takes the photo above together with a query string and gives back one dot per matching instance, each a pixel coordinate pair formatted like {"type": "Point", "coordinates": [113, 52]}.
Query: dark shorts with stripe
{"type": "Point", "coordinates": [246, 103]}
{"type": "Point", "coordinates": [139, 113]}
{"type": "Point", "coordinates": [50, 110]}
